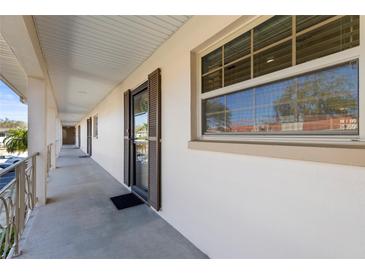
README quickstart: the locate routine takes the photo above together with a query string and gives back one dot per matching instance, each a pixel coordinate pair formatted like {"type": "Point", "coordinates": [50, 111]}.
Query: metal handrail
{"type": "Point", "coordinates": [10, 168]}
{"type": "Point", "coordinates": [7, 186]}
{"type": "Point", "coordinates": [17, 200]}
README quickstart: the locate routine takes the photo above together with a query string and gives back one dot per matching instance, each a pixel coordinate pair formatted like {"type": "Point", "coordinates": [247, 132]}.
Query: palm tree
{"type": "Point", "coordinates": [17, 140]}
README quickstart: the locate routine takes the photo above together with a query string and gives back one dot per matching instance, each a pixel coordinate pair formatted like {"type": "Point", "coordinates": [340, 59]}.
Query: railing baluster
{"type": "Point", "coordinates": [17, 199]}
{"type": "Point", "coordinates": [21, 195]}
{"type": "Point", "coordinates": [17, 211]}
{"type": "Point", "coordinates": [34, 185]}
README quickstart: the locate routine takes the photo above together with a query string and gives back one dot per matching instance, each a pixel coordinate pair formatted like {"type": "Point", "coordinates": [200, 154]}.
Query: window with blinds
{"type": "Point", "coordinates": [95, 128]}
{"type": "Point", "coordinates": [323, 102]}
{"type": "Point", "coordinates": [272, 31]}
{"type": "Point", "coordinates": [328, 38]}
{"type": "Point", "coordinates": [278, 43]}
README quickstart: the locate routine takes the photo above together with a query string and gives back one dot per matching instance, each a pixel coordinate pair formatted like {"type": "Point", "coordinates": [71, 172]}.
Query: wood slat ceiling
{"type": "Point", "coordinates": [88, 55]}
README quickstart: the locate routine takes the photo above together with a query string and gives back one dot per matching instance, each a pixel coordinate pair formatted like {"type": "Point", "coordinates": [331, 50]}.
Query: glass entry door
{"type": "Point", "coordinates": [140, 143]}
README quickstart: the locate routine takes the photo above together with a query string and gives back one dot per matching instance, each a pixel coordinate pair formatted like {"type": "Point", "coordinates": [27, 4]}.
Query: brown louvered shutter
{"type": "Point", "coordinates": [89, 136]}
{"type": "Point", "coordinates": [127, 136]}
{"type": "Point", "coordinates": [154, 139]}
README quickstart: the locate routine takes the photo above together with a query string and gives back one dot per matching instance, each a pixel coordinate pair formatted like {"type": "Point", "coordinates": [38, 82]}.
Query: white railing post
{"type": "Point", "coordinates": [37, 132]}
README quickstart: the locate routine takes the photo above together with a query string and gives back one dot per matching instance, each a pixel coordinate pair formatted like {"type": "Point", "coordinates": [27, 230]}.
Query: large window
{"type": "Point", "coordinates": [278, 43]}
{"type": "Point", "coordinates": [320, 102]}
{"type": "Point", "coordinates": [96, 125]}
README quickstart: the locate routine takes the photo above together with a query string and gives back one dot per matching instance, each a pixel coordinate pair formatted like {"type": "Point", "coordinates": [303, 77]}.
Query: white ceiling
{"type": "Point", "coordinates": [88, 55]}
{"type": "Point", "coordinates": [10, 70]}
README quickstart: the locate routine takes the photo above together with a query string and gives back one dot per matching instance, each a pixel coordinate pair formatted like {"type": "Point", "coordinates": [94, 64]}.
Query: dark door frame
{"type": "Point", "coordinates": [141, 88]}
{"type": "Point", "coordinates": [89, 136]}
{"type": "Point", "coordinates": [79, 135]}
{"type": "Point", "coordinates": [153, 86]}
{"type": "Point", "coordinates": [68, 135]}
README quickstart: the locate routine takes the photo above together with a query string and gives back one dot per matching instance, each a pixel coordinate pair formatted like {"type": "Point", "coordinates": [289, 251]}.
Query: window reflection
{"type": "Point", "coordinates": [275, 107]}
{"type": "Point", "coordinates": [321, 102]}
{"type": "Point", "coordinates": [241, 111]}
{"type": "Point", "coordinates": [328, 100]}
{"type": "Point", "coordinates": [141, 116]}
{"type": "Point", "coordinates": [215, 115]}
{"type": "Point", "coordinates": [140, 112]}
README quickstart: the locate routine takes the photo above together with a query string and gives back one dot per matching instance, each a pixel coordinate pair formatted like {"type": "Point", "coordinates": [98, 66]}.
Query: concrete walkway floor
{"type": "Point", "coordinates": [80, 221]}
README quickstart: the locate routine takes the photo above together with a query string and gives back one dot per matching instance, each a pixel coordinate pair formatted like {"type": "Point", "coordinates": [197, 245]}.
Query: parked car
{"type": "Point", "coordinates": [4, 158]}
{"type": "Point", "coordinates": [6, 178]}
{"type": "Point", "coordinates": [13, 160]}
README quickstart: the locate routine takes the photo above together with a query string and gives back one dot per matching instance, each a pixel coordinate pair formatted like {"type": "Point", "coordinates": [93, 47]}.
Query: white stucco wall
{"type": "Point", "coordinates": [107, 148]}
{"type": "Point", "coordinates": [52, 126]}
{"type": "Point", "coordinates": [235, 206]}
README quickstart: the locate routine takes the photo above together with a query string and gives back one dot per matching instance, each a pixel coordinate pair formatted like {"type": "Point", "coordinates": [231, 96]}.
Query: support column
{"type": "Point", "coordinates": [58, 136]}
{"type": "Point", "coordinates": [51, 130]}
{"type": "Point", "coordinates": [37, 132]}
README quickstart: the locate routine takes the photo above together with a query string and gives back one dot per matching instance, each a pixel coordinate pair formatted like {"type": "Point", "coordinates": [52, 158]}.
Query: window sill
{"type": "Point", "coordinates": [344, 153]}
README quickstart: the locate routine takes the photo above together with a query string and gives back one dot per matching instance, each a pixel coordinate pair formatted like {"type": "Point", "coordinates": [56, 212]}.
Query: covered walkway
{"type": "Point", "coordinates": [80, 221]}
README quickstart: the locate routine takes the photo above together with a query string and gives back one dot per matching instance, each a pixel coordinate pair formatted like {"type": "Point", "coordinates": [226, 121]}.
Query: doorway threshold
{"type": "Point", "coordinates": [142, 193]}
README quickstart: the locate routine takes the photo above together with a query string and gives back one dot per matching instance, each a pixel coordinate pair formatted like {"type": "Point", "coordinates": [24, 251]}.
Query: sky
{"type": "Point", "coordinates": [10, 106]}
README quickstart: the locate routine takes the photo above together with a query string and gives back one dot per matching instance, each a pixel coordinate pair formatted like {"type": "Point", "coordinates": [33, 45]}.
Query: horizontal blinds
{"type": "Point", "coordinates": [323, 102]}
{"type": "Point", "coordinates": [331, 38]}
{"type": "Point", "coordinates": [273, 47]}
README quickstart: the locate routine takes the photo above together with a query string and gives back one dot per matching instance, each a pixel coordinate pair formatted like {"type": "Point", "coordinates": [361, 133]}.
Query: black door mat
{"type": "Point", "coordinates": [126, 200]}
{"type": "Point", "coordinates": [84, 156]}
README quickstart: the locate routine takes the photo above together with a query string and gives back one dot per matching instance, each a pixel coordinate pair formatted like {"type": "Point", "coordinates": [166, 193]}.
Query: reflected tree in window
{"type": "Point", "coordinates": [274, 105]}
{"type": "Point", "coordinates": [216, 117]}
{"type": "Point", "coordinates": [325, 100]}
{"type": "Point", "coordinates": [285, 107]}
